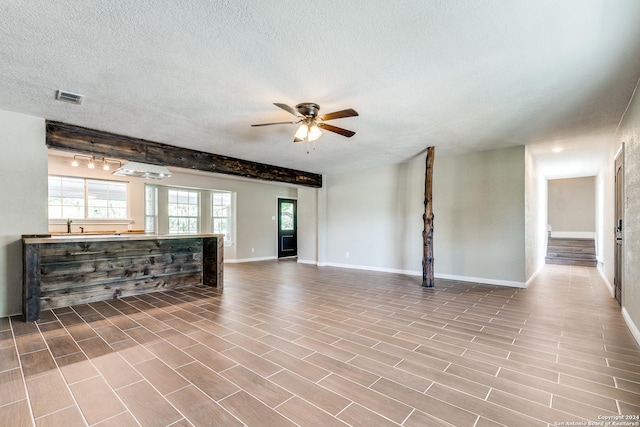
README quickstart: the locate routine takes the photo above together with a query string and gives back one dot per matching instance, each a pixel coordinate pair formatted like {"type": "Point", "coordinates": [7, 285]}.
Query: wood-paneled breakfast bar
{"type": "Point", "coordinates": [66, 270]}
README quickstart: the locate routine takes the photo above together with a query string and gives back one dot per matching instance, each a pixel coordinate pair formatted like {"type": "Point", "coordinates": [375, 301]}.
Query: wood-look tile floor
{"type": "Point", "coordinates": [287, 344]}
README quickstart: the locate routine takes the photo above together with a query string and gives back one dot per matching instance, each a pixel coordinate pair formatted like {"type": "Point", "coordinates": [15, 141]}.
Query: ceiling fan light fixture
{"type": "Point", "coordinates": [311, 122]}
{"type": "Point", "coordinates": [302, 132]}
{"type": "Point", "coordinates": [314, 133]}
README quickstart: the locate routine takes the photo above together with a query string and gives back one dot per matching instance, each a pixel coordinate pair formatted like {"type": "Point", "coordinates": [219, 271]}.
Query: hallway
{"type": "Point", "coordinates": [293, 344]}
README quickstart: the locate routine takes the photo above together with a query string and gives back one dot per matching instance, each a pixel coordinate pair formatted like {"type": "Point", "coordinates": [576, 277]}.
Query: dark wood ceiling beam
{"type": "Point", "coordinates": [91, 142]}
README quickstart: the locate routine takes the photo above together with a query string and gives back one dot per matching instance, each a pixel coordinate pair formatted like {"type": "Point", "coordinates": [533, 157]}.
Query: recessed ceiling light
{"type": "Point", "coordinates": [557, 149]}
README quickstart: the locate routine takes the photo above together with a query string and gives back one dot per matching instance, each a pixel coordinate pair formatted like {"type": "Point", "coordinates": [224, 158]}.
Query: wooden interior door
{"type": "Point", "coordinates": [619, 213]}
{"type": "Point", "coordinates": [287, 228]}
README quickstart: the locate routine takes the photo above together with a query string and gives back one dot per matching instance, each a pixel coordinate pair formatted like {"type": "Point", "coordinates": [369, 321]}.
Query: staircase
{"type": "Point", "coordinates": [571, 252]}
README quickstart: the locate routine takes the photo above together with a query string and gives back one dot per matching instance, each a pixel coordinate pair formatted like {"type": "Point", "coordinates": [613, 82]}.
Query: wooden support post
{"type": "Point", "coordinates": [427, 217]}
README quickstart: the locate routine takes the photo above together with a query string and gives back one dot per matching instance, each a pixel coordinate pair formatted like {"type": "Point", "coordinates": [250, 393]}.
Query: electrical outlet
{"type": "Point", "coordinates": [253, 249]}
{"type": "Point", "coordinates": [346, 254]}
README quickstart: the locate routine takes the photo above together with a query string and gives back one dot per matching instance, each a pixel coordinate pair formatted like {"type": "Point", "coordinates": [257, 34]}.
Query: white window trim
{"type": "Point", "coordinates": [232, 215]}
{"type": "Point", "coordinates": [155, 208]}
{"type": "Point", "coordinates": [92, 221]}
{"type": "Point", "coordinates": [205, 219]}
{"type": "Point", "coordinates": [198, 217]}
{"type": "Point", "coordinates": [120, 221]}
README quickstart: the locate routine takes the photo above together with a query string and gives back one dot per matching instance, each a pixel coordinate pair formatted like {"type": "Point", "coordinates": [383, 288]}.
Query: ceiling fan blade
{"type": "Point", "coordinates": [336, 129]}
{"type": "Point", "coordinates": [286, 108]}
{"type": "Point", "coordinates": [339, 114]}
{"type": "Point", "coordinates": [275, 123]}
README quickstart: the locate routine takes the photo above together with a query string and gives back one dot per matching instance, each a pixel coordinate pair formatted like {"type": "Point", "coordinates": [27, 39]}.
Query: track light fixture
{"type": "Point", "coordinates": [92, 160]}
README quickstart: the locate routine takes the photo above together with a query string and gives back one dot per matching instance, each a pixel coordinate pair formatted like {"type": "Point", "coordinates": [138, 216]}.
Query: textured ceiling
{"type": "Point", "coordinates": [459, 75]}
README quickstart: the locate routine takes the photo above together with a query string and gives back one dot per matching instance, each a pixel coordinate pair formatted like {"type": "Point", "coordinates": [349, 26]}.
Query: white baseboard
{"type": "Point", "coordinates": [266, 258]}
{"type": "Point", "coordinates": [440, 276]}
{"type": "Point", "coordinates": [533, 276]}
{"type": "Point", "coordinates": [307, 261]}
{"type": "Point", "coordinates": [573, 234]}
{"type": "Point", "coordinates": [625, 314]}
{"type": "Point", "coordinates": [497, 282]}
{"type": "Point", "coordinates": [606, 281]}
{"type": "Point", "coordinates": [632, 326]}
{"type": "Point", "coordinates": [237, 261]}
{"type": "Point", "coordinates": [369, 268]}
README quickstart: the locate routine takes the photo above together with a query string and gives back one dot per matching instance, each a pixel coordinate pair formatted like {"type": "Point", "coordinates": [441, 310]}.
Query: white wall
{"type": "Point", "coordinates": [479, 202]}
{"type": "Point", "coordinates": [536, 216]}
{"type": "Point", "coordinates": [375, 216]}
{"type": "Point", "coordinates": [23, 173]}
{"type": "Point", "coordinates": [572, 204]}
{"type": "Point", "coordinates": [307, 225]}
{"type": "Point", "coordinates": [604, 221]}
{"type": "Point", "coordinates": [257, 211]}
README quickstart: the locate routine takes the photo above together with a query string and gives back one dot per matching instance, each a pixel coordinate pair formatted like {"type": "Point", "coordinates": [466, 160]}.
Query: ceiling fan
{"type": "Point", "coordinates": [311, 122]}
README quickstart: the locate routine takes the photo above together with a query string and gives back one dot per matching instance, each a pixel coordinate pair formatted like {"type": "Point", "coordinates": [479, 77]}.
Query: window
{"type": "Point", "coordinates": [79, 198]}
{"type": "Point", "coordinates": [66, 197]}
{"type": "Point", "coordinates": [106, 199]}
{"type": "Point", "coordinates": [221, 214]}
{"type": "Point", "coordinates": [184, 211]}
{"type": "Point", "coordinates": [150, 209]}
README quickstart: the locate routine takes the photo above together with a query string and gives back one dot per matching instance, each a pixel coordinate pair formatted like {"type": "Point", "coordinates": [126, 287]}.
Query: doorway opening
{"type": "Point", "coordinates": [571, 219]}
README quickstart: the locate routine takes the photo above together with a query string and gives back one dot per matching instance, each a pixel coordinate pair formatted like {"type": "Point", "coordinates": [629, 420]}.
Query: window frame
{"type": "Point", "coordinates": [110, 184]}
{"type": "Point", "coordinates": [85, 207]}
{"type": "Point", "coordinates": [229, 235]}
{"type": "Point", "coordinates": [153, 216]}
{"type": "Point", "coordinates": [205, 222]}
{"type": "Point", "coordinates": [197, 216]}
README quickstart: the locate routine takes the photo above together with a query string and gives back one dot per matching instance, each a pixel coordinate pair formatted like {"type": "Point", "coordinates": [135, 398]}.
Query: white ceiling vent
{"type": "Point", "coordinates": [70, 97]}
